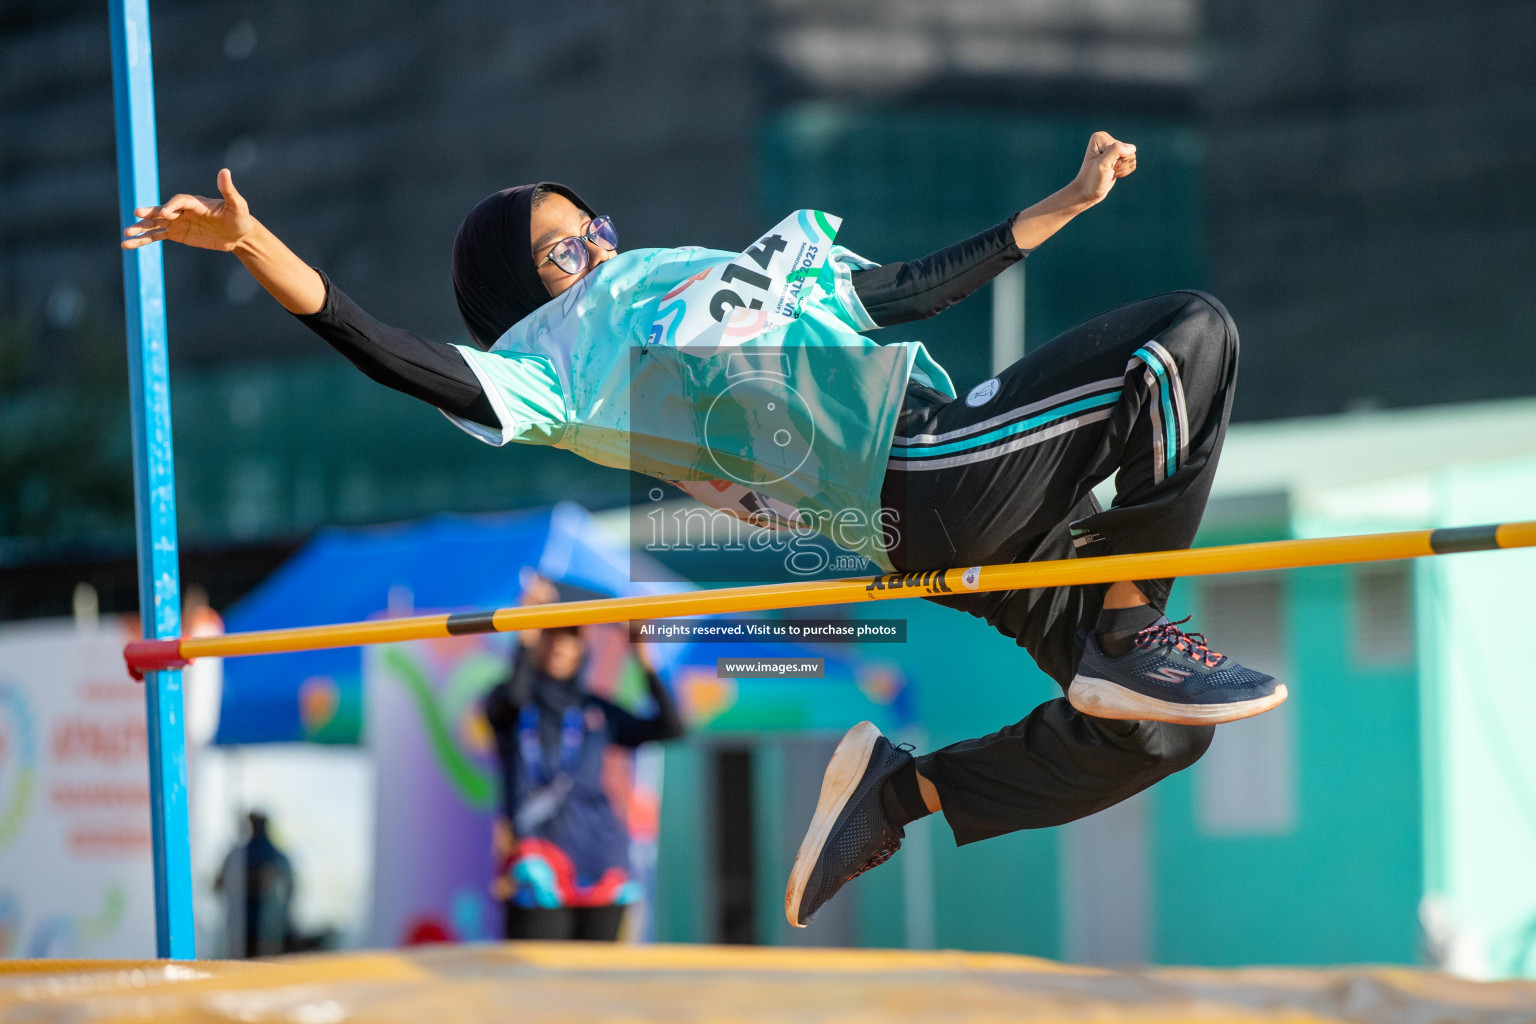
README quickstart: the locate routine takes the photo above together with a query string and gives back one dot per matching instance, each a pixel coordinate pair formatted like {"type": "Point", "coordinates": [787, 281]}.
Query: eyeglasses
{"type": "Point", "coordinates": [571, 255]}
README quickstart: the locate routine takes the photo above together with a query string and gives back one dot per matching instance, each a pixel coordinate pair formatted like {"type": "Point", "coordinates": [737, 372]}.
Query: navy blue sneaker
{"type": "Point", "coordinates": [1170, 676]}
{"type": "Point", "coordinates": [849, 833]}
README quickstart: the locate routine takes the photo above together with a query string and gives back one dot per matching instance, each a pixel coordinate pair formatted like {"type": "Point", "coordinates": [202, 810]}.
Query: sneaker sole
{"type": "Point", "coordinates": [1102, 698]}
{"type": "Point", "coordinates": [838, 783]}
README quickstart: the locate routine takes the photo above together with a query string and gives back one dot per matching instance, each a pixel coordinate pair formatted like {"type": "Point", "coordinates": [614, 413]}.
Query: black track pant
{"type": "Point", "coordinates": [1004, 474]}
{"type": "Point", "coordinates": [599, 924]}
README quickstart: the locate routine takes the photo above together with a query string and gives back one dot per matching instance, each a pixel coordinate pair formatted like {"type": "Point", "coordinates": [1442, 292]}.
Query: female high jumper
{"type": "Point", "coordinates": [884, 458]}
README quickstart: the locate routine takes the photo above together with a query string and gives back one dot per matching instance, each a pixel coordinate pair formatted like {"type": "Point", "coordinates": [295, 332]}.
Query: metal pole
{"type": "Point", "coordinates": [154, 487]}
{"type": "Point", "coordinates": [1008, 318]}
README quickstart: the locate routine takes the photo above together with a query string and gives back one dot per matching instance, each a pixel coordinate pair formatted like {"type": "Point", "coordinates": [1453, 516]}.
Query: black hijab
{"type": "Point", "coordinates": [493, 275]}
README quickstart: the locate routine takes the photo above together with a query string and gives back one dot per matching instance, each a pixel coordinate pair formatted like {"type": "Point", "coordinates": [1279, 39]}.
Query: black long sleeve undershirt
{"type": "Point", "coordinates": [895, 293]}
{"type": "Point", "coordinates": [424, 369]}
{"type": "Point", "coordinates": [898, 293]}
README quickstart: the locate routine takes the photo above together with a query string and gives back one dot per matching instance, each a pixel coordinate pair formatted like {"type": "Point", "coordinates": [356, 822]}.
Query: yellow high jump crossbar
{"type": "Point", "coordinates": [155, 655]}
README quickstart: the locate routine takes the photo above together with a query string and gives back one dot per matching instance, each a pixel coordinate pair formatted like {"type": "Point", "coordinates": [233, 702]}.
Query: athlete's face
{"type": "Point", "coordinates": [552, 221]}
{"type": "Point", "coordinates": [560, 653]}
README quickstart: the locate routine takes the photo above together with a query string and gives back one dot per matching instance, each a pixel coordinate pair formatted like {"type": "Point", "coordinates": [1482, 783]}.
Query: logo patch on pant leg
{"type": "Point", "coordinates": [982, 393]}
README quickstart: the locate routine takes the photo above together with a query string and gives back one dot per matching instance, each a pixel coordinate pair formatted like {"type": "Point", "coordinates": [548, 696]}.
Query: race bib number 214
{"type": "Point", "coordinates": [753, 293]}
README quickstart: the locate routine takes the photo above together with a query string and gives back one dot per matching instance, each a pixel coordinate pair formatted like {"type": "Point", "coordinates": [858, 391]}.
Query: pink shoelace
{"type": "Point", "coordinates": [892, 844]}
{"type": "Point", "coordinates": [1191, 644]}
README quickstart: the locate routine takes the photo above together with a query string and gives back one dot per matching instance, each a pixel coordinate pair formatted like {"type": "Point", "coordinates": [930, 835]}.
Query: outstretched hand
{"type": "Point", "coordinates": [198, 221]}
{"type": "Point", "coordinates": [226, 225]}
{"type": "Point", "coordinates": [1107, 160]}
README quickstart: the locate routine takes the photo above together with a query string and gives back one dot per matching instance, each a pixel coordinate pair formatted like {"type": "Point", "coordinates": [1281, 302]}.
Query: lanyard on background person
{"type": "Point", "coordinates": [572, 732]}
{"type": "Point", "coordinates": [547, 789]}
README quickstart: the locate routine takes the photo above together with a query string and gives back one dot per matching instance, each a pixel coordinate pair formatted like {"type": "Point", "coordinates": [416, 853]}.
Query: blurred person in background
{"type": "Point", "coordinates": [1142, 393]}
{"type": "Point", "coordinates": [562, 846]}
{"type": "Point", "coordinates": [256, 882]}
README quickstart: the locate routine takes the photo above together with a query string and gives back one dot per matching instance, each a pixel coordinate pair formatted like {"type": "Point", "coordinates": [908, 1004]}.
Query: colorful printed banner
{"type": "Point", "coordinates": [75, 875]}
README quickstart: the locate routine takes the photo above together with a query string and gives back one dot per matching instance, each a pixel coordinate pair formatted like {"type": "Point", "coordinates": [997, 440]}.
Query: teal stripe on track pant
{"type": "Point", "coordinates": [1165, 399]}
{"type": "Point", "coordinates": [1011, 430]}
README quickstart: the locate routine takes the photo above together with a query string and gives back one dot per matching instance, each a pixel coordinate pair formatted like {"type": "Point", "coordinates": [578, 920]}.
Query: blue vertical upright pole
{"type": "Point", "coordinates": [154, 483]}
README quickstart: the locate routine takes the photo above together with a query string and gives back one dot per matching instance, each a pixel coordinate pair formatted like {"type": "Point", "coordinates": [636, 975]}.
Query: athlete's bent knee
{"type": "Point", "coordinates": [1162, 747]}
{"type": "Point", "coordinates": [1213, 324]}
{"type": "Point", "coordinates": [1176, 747]}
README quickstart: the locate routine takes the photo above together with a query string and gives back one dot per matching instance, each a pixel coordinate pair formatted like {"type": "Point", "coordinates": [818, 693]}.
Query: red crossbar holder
{"type": "Point", "coordinates": [153, 656]}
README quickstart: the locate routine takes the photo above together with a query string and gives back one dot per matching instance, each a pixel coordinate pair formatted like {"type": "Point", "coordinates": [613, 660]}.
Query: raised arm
{"type": "Point", "coordinates": [1106, 161]}
{"type": "Point", "coordinates": [898, 293]}
{"type": "Point", "coordinates": [428, 370]}
{"type": "Point", "coordinates": [424, 369]}
{"type": "Point", "coordinates": [627, 730]}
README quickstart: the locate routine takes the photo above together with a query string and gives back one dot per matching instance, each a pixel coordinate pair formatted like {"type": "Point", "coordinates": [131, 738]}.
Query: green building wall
{"type": "Point", "coordinates": [1343, 883]}
{"type": "Point", "coordinates": [1480, 701]}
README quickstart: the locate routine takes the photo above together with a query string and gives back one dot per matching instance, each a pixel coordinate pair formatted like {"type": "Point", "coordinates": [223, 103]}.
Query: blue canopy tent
{"type": "Point", "coordinates": [443, 563]}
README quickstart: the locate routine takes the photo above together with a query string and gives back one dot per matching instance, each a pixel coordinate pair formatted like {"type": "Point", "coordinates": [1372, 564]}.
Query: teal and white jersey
{"type": "Point", "coordinates": [742, 378]}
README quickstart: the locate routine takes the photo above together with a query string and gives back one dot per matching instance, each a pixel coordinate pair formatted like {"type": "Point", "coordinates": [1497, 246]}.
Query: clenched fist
{"type": "Point", "coordinates": [1107, 160]}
